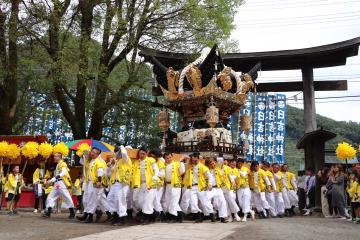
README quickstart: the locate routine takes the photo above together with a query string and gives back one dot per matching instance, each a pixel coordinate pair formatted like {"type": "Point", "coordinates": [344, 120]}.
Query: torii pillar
{"type": "Point", "coordinates": [313, 141]}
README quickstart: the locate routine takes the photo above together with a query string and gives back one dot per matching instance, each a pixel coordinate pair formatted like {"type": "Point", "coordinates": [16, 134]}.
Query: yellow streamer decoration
{"type": "Point", "coordinates": [4, 148]}
{"type": "Point", "coordinates": [81, 148]}
{"type": "Point", "coordinates": [345, 151]}
{"type": "Point", "coordinates": [30, 150]}
{"type": "Point", "coordinates": [45, 150]}
{"type": "Point", "coordinates": [14, 151]}
{"type": "Point", "coordinates": [61, 148]}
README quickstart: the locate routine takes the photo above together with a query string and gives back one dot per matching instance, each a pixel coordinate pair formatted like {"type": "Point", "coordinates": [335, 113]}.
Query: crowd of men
{"type": "Point", "coordinates": [154, 187]}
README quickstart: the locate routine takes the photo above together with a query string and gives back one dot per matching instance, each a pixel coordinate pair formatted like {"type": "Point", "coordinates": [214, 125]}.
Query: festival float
{"type": "Point", "coordinates": [205, 93]}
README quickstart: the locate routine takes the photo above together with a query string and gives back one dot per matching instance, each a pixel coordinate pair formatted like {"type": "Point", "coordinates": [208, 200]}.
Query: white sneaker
{"type": "Point", "coordinates": [43, 211]}
{"type": "Point", "coordinates": [252, 213]}
{"type": "Point", "coordinates": [77, 211]}
{"type": "Point", "coordinates": [244, 218]}
{"type": "Point", "coordinates": [230, 218]}
{"type": "Point", "coordinates": [35, 210]}
{"type": "Point", "coordinates": [307, 213]}
{"type": "Point", "coordinates": [237, 218]}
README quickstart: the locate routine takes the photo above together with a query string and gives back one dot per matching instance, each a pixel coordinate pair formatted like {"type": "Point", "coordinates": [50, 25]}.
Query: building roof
{"type": "Point", "coordinates": [321, 56]}
{"type": "Point", "coordinates": [317, 135]}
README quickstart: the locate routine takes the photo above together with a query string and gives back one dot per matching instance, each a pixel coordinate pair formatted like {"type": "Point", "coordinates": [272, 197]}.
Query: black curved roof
{"type": "Point", "coordinates": [322, 56]}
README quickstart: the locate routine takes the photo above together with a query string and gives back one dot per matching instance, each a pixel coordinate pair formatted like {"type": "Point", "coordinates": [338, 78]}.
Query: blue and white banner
{"type": "Point", "coordinates": [270, 127]}
{"type": "Point", "coordinates": [279, 143]}
{"type": "Point", "coordinates": [267, 137]}
{"type": "Point", "coordinates": [259, 126]}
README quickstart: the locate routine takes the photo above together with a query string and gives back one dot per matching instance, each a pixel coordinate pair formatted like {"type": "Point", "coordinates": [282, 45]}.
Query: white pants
{"type": "Point", "coordinates": [270, 198]}
{"type": "Point", "coordinates": [117, 198]}
{"type": "Point", "coordinates": [59, 190]}
{"type": "Point", "coordinates": [230, 197]}
{"type": "Point", "coordinates": [293, 197]}
{"type": "Point", "coordinates": [244, 198]}
{"type": "Point", "coordinates": [96, 199]}
{"type": "Point", "coordinates": [279, 203]}
{"type": "Point", "coordinates": [144, 199]}
{"type": "Point", "coordinates": [216, 196]}
{"type": "Point", "coordinates": [324, 202]}
{"type": "Point", "coordinates": [157, 200]}
{"type": "Point", "coordinates": [85, 196]}
{"type": "Point", "coordinates": [171, 200]}
{"type": "Point", "coordinates": [285, 196]}
{"type": "Point", "coordinates": [260, 201]}
{"type": "Point", "coordinates": [192, 197]}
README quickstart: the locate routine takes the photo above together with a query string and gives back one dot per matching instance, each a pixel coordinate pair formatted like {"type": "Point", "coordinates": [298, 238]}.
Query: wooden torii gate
{"type": "Point", "coordinates": [306, 59]}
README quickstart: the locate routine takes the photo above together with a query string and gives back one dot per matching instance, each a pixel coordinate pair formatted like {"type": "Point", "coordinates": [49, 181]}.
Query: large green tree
{"type": "Point", "coordinates": [119, 27]}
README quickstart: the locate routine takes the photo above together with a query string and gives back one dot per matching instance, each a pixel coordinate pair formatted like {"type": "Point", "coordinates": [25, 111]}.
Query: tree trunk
{"type": "Point", "coordinates": [9, 62]}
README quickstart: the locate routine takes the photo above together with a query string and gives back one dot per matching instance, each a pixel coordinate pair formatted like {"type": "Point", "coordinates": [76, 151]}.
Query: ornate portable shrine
{"type": "Point", "coordinates": [205, 93]}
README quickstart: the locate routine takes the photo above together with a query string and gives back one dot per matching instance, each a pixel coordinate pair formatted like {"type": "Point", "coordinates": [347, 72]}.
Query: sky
{"type": "Point", "coordinates": [266, 25]}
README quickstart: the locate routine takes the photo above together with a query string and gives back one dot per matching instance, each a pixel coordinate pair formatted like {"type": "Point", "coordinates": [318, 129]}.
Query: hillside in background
{"type": "Point", "coordinates": [348, 131]}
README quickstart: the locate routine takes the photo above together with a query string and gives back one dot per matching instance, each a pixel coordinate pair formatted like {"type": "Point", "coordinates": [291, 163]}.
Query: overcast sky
{"type": "Point", "coordinates": [265, 25]}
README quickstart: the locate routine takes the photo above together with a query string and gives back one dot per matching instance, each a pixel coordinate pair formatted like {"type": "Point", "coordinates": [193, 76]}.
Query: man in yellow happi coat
{"type": "Point", "coordinates": [196, 184]}
{"type": "Point", "coordinates": [173, 178]}
{"type": "Point", "coordinates": [120, 176]}
{"type": "Point", "coordinates": [95, 187]}
{"type": "Point", "coordinates": [159, 191]}
{"type": "Point", "coordinates": [13, 187]}
{"type": "Point", "coordinates": [259, 183]}
{"type": "Point", "coordinates": [243, 190]}
{"type": "Point", "coordinates": [62, 182]}
{"type": "Point", "coordinates": [269, 194]}
{"type": "Point", "coordinates": [145, 176]}
{"type": "Point", "coordinates": [40, 176]}
{"type": "Point", "coordinates": [229, 188]}
{"type": "Point", "coordinates": [216, 194]}
{"type": "Point", "coordinates": [279, 200]}
{"type": "Point", "coordinates": [289, 190]}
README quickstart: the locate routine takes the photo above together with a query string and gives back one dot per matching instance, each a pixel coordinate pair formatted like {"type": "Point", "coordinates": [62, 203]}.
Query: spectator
{"type": "Point", "coordinates": [337, 179]}
{"type": "Point", "coordinates": [310, 185]}
{"type": "Point", "coordinates": [323, 178]}
{"type": "Point", "coordinates": [301, 190]}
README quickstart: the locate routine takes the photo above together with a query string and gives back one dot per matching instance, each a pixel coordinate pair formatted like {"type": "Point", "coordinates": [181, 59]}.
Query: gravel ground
{"type": "Point", "coordinates": [31, 226]}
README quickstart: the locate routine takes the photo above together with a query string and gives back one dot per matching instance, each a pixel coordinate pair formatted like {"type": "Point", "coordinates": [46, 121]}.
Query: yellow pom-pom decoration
{"type": "Point", "coordinates": [45, 150]}
{"type": "Point", "coordinates": [4, 148]}
{"type": "Point", "coordinates": [81, 148]}
{"type": "Point", "coordinates": [14, 151]}
{"type": "Point", "coordinates": [30, 150]}
{"type": "Point", "coordinates": [345, 151]}
{"type": "Point", "coordinates": [61, 148]}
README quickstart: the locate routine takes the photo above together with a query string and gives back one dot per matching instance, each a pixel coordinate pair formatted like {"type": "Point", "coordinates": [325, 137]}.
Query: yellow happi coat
{"type": "Point", "coordinates": [261, 180]}
{"type": "Point", "coordinates": [354, 191]}
{"type": "Point", "coordinates": [98, 164]}
{"type": "Point", "coordinates": [123, 169]}
{"type": "Point", "coordinates": [202, 178]}
{"type": "Point", "coordinates": [36, 176]}
{"type": "Point", "coordinates": [77, 187]}
{"type": "Point", "coordinates": [149, 173]}
{"type": "Point", "coordinates": [66, 179]}
{"type": "Point", "coordinates": [11, 184]}
{"type": "Point", "coordinates": [289, 176]}
{"type": "Point", "coordinates": [279, 183]}
{"type": "Point", "coordinates": [270, 176]}
{"type": "Point", "coordinates": [243, 182]}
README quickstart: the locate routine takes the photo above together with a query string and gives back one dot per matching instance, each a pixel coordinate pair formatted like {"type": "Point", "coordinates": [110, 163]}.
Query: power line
{"type": "Point", "coordinates": [303, 4]}
{"type": "Point", "coordinates": [295, 23]}
{"type": "Point", "coordinates": [296, 19]}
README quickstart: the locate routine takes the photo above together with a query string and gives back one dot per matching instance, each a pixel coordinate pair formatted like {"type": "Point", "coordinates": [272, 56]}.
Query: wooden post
{"type": "Point", "coordinates": [309, 99]}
